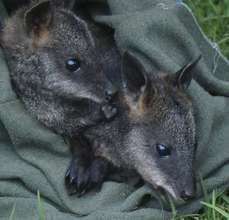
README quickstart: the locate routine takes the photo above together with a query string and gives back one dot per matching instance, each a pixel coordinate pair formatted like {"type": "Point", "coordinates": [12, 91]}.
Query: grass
{"type": "Point", "coordinates": [213, 17]}
{"type": "Point", "coordinates": [41, 212]}
{"type": "Point", "coordinates": [215, 207]}
{"type": "Point", "coordinates": [40, 209]}
{"type": "Point", "coordinates": [12, 213]}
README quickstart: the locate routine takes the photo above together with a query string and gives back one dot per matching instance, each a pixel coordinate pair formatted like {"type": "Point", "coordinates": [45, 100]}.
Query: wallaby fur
{"type": "Point", "coordinates": [153, 110]}
{"type": "Point", "coordinates": [38, 40]}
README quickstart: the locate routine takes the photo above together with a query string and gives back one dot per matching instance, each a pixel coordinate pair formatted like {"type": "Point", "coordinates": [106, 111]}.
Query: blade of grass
{"type": "Point", "coordinates": [40, 207]}
{"type": "Point", "coordinates": [223, 40]}
{"type": "Point", "coordinates": [214, 204]}
{"type": "Point", "coordinates": [173, 207]}
{"type": "Point", "coordinates": [206, 198]}
{"type": "Point", "coordinates": [12, 213]}
{"type": "Point", "coordinates": [225, 198]}
{"type": "Point", "coordinates": [214, 8]}
{"type": "Point", "coordinates": [190, 216]}
{"type": "Point", "coordinates": [219, 210]}
{"type": "Point", "coordinates": [210, 18]}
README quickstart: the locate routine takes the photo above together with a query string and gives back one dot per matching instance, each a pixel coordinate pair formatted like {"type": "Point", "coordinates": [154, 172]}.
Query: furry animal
{"type": "Point", "coordinates": [55, 68]}
{"type": "Point", "coordinates": [153, 134]}
{"type": "Point", "coordinates": [58, 73]}
{"type": "Point", "coordinates": [59, 69]}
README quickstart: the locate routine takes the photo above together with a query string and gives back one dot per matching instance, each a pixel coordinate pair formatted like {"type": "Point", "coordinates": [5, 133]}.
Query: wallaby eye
{"type": "Point", "coordinates": [72, 64]}
{"type": "Point", "coordinates": [163, 150]}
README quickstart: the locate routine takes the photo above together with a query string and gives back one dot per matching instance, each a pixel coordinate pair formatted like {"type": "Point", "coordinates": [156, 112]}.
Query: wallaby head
{"type": "Point", "coordinates": [54, 66]}
{"type": "Point", "coordinates": [154, 133]}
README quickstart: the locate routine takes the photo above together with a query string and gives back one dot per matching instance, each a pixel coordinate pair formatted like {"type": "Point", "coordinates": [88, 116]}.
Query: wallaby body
{"type": "Point", "coordinates": [54, 67]}
{"type": "Point", "coordinates": [154, 132]}
{"type": "Point", "coordinates": [155, 116]}
{"type": "Point", "coordinates": [59, 71]}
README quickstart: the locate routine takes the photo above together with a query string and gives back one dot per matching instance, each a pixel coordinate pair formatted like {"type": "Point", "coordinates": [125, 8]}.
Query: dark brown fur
{"type": "Point", "coordinates": [152, 110]}
{"type": "Point", "coordinates": [37, 41]}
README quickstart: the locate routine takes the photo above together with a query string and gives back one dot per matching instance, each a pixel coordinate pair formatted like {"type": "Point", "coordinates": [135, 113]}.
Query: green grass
{"type": "Point", "coordinates": [213, 17]}
{"type": "Point", "coordinates": [41, 212]}
{"type": "Point", "coordinates": [215, 207]}
{"type": "Point", "coordinates": [12, 213]}
{"type": "Point", "coordinates": [40, 209]}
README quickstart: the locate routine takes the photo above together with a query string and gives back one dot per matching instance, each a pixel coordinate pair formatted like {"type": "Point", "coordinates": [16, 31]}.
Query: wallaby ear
{"type": "Point", "coordinates": [38, 18]}
{"type": "Point", "coordinates": [184, 76]}
{"type": "Point", "coordinates": [134, 77]}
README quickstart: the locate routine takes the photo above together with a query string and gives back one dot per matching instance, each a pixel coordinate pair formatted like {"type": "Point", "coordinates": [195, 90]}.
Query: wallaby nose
{"type": "Point", "coordinates": [110, 92]}
{"type": "Point", "coordinates": [187, 194]}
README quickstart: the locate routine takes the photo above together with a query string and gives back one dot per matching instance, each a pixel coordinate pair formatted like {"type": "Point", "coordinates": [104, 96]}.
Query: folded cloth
{"type": "Point", "coordinates": [165, 36]}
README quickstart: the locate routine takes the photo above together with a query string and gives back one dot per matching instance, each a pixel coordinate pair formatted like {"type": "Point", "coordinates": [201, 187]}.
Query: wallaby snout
{"type": "Point", "coordinates": [187, 194]}
{"type": "Point", "coordinates": [110, 92]}
{"type": "Point", "coordinates": [188, 191]}
{"type": "Point", "coordinates": [182, 187]}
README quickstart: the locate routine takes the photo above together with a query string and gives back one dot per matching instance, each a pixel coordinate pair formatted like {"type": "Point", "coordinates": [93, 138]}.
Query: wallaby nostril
{"type": "Point", "coordinates": [186, 195]}
{"type": "Point", "coordinates": [109, 94]}
{"type": "Point", "coordinates": [109, 111]}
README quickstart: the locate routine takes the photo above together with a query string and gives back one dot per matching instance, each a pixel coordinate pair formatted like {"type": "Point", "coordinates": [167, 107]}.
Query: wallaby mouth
{"type": "Point", "coordinates": [178, 195]}
{"type": "Point", "coordinates": [184, 190]}
{"type": "Point", "coordinates": [185, 194]}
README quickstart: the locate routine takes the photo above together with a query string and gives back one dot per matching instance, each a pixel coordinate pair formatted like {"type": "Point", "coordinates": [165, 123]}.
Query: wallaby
{"type": "Point", "coordinates": [153, 133]}
{"type": "Point", "coordinates": [58, 74]}
{"type": "Point", "coordinates": [58, 70]}
{"type": "Point", "coordinates": [55, 68]}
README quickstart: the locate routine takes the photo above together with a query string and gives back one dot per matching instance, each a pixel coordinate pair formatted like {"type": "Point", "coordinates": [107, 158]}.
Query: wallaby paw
{"type": "Point", "coordinates": [80, 179]}
{"type": "Point", "coordinates": [109, 111]}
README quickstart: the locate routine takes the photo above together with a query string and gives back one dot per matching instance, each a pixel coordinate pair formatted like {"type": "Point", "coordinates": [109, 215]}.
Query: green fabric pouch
{"type": "Point", "coordinates": [165, 36]}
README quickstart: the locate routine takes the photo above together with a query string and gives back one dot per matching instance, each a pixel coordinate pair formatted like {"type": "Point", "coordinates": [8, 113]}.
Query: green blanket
{"type": "Point", "coordinates": [164, 35]}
